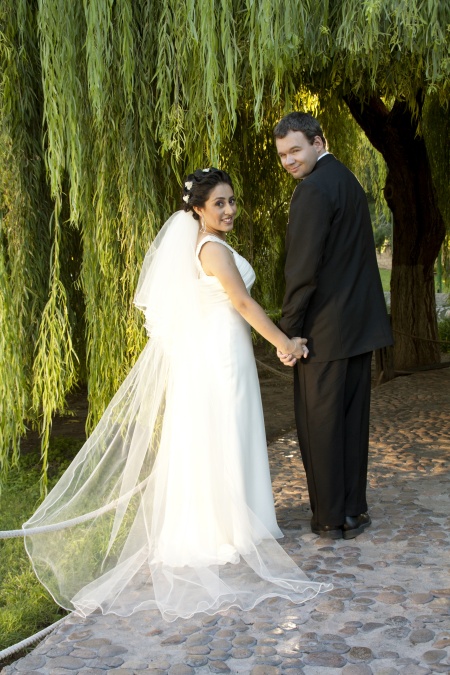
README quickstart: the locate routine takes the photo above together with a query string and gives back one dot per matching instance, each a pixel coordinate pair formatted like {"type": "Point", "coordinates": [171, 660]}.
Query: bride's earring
{"type": "Point", "coordinates": [203, 226]}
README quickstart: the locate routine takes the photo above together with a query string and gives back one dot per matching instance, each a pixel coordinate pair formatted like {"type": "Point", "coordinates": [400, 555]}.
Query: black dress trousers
{"type": "Point", "coordinates": [332, 405]}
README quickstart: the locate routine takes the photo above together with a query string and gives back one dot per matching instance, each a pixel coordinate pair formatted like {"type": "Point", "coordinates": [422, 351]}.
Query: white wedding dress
{"type": "Point", "coordinates": [169, 504]}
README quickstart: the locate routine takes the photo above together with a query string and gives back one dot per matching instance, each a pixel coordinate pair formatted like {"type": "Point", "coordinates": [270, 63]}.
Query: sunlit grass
{"type": "Point", "coordinates": [25, 605]}
{"type": "Point", "coordinates": [385, 279]}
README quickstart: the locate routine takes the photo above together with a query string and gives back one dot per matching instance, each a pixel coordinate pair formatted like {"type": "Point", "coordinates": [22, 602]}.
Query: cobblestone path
{"type": "Point", "coordinates": [389, 611]}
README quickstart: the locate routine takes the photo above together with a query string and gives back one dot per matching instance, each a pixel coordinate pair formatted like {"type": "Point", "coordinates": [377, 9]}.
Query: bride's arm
{"type": "Point", "coordinates": [218, 261]}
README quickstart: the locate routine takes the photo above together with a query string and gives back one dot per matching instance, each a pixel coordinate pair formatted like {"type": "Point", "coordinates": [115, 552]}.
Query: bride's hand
{"type": "Point", "coordinates": [298, 351]}
{"type": "Point", "coordinates": [286, 359]}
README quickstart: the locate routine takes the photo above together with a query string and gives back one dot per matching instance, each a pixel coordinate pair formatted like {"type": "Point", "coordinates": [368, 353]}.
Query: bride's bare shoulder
{"type": "Point", "coordinates": [213, 253]}
{"type": "Point", "coordinates": [214, 245]}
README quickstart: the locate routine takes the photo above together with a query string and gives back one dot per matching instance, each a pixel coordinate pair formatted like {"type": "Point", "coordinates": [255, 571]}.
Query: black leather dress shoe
{"type": "Point", "coordinates": [327, 531]}
{"type": "Point", "coordinates": [355, 525]}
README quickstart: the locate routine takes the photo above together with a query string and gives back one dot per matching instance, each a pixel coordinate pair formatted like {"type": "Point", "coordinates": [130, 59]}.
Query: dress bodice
{"type": "Point", "coordinates": [245, 269]}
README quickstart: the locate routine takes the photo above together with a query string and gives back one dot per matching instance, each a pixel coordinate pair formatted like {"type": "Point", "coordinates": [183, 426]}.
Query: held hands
{"type": "Point", "coordinates": [299, 350]}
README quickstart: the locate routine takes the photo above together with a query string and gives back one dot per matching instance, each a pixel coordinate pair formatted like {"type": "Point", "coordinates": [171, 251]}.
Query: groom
{"type": "Point", "coordinates": [334, 299]}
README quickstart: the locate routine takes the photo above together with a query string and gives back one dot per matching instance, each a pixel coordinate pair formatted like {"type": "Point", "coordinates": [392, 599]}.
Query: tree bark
{"type": "Point", "coordinates": [418, 230]}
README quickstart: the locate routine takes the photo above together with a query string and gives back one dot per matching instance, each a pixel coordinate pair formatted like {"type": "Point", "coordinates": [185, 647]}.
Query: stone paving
{"type": "Point", "coordinates": [389, 611]}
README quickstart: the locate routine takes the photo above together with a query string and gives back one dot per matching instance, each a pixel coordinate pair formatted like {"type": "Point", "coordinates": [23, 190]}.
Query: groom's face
{"type": "Point", "coordinates": [297, 155]}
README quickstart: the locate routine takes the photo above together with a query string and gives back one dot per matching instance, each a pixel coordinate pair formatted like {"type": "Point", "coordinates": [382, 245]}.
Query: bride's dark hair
{"type": "Point", "coordinates": [199, 185]}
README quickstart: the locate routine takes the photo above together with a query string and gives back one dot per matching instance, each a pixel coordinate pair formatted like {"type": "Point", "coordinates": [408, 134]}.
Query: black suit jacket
{"type": "Point", "coordinates": [334, 296]}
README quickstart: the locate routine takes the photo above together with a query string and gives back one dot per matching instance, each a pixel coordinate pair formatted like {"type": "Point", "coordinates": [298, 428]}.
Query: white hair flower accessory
{"type": "Point", "coordinates": [188, 185]}
{"type": "Point", "coordinates": [186, 198]}
{"type": "Point", "coordinates": [206, 170]}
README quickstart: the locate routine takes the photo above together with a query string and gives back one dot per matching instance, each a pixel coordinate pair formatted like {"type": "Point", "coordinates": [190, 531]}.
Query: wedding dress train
{"type": "Point", "coordinates": [169, 503]}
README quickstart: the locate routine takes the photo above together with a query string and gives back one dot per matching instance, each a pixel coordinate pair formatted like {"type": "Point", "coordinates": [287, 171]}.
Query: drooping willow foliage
{"type": "Point", "coordinates": [26, 211]}
{"type": "Point", "coordinates": [106, 104]}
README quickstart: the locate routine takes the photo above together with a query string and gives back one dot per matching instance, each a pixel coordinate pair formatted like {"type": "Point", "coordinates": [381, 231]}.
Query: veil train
{"type": "Point", "coordinates": [155, 513]}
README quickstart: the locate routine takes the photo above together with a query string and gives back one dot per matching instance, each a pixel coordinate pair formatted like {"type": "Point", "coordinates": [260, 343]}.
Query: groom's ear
{"type": "Point", "coordinates": [318, 143]}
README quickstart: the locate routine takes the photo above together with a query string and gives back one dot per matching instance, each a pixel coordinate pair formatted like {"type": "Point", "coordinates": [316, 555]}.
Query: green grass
{"type": "Point", "coordinates": [444, 334]}
{"type": "Point", "coordinates": [25, 605]}
{"type": "Point", "coordinates": [385, 279]}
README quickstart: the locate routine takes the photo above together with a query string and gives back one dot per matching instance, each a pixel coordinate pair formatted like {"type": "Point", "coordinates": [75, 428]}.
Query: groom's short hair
{"type": "Point", "coordinates": [298, 121]}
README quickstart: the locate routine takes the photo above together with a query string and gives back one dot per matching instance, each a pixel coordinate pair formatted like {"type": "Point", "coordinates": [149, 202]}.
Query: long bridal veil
{"type": "Point", "coordinates": [151, 513]}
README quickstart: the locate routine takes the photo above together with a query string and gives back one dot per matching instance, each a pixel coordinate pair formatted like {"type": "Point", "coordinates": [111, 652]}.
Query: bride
{"type": "Point", "coordinates": [168, 505]}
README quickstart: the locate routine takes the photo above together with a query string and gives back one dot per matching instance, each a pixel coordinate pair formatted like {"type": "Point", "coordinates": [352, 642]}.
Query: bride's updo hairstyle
{"type": "Point", "coordinates": [199, 185]}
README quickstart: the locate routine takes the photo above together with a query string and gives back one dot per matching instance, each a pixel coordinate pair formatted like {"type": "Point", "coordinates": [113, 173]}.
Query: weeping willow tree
{"type": "Point", "coordinates": [106, 104]}
{"type": "Point", "coordinates": [25, 212]}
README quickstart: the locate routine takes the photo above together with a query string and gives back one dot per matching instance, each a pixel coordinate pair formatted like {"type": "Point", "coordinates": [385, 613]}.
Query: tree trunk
{"type": "Point", "coordinates": [418, 231]}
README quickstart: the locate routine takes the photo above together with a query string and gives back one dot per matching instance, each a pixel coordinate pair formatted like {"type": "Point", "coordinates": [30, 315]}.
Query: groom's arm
{"type": "Point", "coordinates": [310, 218]}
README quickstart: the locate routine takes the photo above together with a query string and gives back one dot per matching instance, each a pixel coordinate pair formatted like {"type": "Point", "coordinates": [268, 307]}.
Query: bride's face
{"type": "Point", "coordinates": [219, 210]}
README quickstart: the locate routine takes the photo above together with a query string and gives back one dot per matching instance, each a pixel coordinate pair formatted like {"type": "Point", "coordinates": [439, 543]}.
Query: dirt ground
{"type": "Point", "coordinates": [384, 259]}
